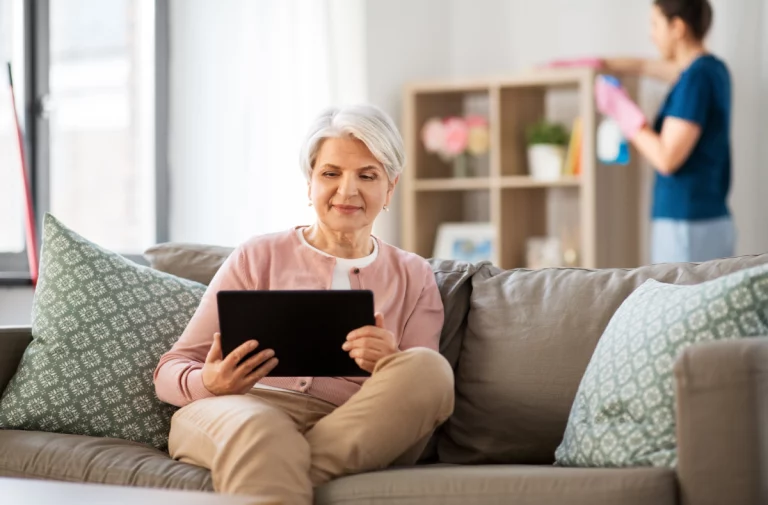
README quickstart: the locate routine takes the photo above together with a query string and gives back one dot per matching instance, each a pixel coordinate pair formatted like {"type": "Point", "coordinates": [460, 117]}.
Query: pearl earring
{"type": "Point", "coordinates": [386, 209]}
{"type": "Point", "coordinates": [309, 203]}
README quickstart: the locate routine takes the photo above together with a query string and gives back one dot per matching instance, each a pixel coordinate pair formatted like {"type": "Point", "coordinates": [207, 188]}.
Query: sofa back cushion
{"type": "Point", "coordinates": [196, 262]}
{"type": "Point", "coordinates": [529, 338]}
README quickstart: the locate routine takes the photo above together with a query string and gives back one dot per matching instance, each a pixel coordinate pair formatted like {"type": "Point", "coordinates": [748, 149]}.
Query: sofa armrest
{"type": "Point", "coordinates": [13, 341]}
{"type": "Point", "coordinates": [722, 422]}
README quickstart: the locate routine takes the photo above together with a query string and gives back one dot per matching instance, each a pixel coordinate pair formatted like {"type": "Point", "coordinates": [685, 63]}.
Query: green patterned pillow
{"type": "Point", "coordinates": [624, 411]}
{"type": "Point", "coordinates": [99, 324]}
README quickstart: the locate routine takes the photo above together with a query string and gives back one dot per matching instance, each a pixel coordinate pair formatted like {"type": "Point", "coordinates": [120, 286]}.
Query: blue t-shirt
{"type": "Point", "coordinates": [699, 188]}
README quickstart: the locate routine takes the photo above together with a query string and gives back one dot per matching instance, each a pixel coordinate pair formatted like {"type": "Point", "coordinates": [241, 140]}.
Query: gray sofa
{"type": "Point", "coordinates": [519, 342]}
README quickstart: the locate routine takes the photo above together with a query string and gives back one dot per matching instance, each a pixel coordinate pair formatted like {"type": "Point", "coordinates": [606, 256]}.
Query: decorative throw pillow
{"type": "Point", "coordinates": [99, 324]}
{"type": "Point", "coordinates": [624, 411]}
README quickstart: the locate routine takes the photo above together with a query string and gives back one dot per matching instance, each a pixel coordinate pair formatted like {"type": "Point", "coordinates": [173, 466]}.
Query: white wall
{"type": "Point", "coordinates": [498, 36]}
{"type": "Point", "coordinates": [739, 36]}
{"type": "Point", "coordinates": [406, 40]}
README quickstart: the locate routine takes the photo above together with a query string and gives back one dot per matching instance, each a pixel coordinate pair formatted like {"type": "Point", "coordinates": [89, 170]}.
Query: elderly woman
{"type": "Point", "coordinates": [281, 436]}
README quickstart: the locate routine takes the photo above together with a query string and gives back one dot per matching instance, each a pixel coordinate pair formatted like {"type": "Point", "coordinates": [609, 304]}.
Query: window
{"type": "Point", "coordinates": [101, 120]}
{"type": "Point", "coordinates": [94, 71]}
{"type": "Point", "coordinates": [12, 243]}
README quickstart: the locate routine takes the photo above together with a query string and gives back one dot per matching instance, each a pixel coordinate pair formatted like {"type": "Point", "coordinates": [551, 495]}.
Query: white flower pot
{"type": "Point", "coordinates": [545, 161]}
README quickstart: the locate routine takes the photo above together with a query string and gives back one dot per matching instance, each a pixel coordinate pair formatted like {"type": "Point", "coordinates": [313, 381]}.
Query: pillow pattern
{"type": "Point", "coordinates": [624, 411]}
{"type": "Point", "coordinates": [99, 324]}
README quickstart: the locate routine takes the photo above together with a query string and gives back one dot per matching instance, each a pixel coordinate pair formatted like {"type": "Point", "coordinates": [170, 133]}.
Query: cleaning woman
{"type": "Point", "coordinates": [688, 144]}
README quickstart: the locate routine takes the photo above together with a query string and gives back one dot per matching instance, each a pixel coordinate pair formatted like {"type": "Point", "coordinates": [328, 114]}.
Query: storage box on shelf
{"type": "Point", "coordinates": [598, 210]}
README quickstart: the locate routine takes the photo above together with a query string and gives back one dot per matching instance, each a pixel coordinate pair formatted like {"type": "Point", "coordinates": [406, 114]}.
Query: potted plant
{"type": "Point", "coordinates": [547, 143]}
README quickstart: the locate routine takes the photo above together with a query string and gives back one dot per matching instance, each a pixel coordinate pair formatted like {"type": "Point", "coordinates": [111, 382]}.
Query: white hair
{"type": "Point", "coordinates": [367, 123]}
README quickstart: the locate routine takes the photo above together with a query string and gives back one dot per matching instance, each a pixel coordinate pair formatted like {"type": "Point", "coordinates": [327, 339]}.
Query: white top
{"type": "Point", "coordinates": [343, 265]}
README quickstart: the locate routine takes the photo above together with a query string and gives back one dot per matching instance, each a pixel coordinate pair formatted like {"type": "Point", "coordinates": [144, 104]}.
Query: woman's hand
{"type": "Point", "coordinates": [369, 344]}
{"type": "Point", "coordinates": [223, 376]}
{"type": "Point", "coordinates": [612, 100]}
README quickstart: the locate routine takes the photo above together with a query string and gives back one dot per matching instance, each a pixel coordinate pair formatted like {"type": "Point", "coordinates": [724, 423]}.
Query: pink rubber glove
{"type": "Point", "coordinates": [595, 63]}
{"type": "Point", "coordinates": [614, 102]}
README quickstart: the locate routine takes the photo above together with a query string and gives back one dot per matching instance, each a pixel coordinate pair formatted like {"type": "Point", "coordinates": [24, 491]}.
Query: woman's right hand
{"type": "Point", "coordinates": [223, 376]}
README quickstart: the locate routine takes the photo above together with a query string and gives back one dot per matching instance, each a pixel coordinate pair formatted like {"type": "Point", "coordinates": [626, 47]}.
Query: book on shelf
{"type": "Point", "coordinates": [573, 156]}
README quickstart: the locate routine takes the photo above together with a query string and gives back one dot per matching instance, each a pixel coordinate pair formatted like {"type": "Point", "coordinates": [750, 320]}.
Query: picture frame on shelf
{"type": "Point", "coordinates": [544, 252]}
{"type": "Point", "coordinates": [470, 242]}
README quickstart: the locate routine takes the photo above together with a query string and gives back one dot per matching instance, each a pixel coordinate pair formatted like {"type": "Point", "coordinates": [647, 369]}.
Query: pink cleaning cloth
{"type": "Point", "coordinates": [613, 101]}
{"type": "Point", "coordinates": [595, 63]}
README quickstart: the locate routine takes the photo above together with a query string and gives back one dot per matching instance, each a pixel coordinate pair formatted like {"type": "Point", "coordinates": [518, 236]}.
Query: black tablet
{"type": "Point", "coordinates": [306, 329]}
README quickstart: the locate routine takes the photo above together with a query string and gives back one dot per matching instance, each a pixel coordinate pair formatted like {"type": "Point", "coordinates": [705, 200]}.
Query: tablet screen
{"type": "Point", "coordinates": [306, 329]}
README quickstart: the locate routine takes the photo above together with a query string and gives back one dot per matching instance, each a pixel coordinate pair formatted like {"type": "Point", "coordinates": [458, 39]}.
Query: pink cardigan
{"type": "Point", "coordinates": [404, 291]}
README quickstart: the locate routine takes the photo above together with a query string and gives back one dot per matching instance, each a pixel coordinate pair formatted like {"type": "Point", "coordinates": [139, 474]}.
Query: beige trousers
{"type": "Point", "coordinates": [280, 444]}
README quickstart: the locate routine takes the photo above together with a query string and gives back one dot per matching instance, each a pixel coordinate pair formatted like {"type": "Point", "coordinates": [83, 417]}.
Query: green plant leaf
{"type": "Point", "coordinates": [545, 132]}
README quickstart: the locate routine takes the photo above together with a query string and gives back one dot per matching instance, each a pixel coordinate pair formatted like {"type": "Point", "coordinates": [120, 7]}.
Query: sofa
{"type": "Point", "coordinates": [519, 342]}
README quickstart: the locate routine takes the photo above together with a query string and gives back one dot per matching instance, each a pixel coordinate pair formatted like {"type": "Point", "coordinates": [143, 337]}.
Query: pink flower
{"type": "Point", "coordinates": [476, 121]}
{"type": "Point", "coordinates": [456, 136]}
{"type": "Point", "coordinates": [433, 135]}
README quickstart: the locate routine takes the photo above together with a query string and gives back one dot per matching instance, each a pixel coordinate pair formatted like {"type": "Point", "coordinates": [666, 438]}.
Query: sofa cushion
{"type": "Point", "coordinates": [529, 338]}
{"type": "Point", "coordinates": [502, 485]}
{"type": "Point", "coordinates": [99, 325]}
{"type": "Point", "coordinates": [196, 262]}
{"type": "Point", "coordinates": [79, 458]}
{"type": "Point", "coordinates": [111, 461]}
{"type": "Point", "coordinates": [454, 280]}
{"type": "Point", "coordinates": [624, 412]}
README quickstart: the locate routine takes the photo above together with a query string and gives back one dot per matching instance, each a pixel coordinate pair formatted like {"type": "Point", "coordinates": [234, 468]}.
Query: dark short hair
{"type": "Point", "coordinates": [696, 14]}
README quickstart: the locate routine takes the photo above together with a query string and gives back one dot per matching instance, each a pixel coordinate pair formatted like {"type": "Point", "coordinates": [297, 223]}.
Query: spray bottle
{"type": "Point", "coordinates": [612, 147]}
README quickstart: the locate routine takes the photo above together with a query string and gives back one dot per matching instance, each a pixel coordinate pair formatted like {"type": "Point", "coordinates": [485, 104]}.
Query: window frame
{"type": "Point", "coordinates": [14, 268]}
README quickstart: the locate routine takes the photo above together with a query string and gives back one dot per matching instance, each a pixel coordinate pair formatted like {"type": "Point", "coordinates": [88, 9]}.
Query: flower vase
{"type": "Point", "coordinates": [461, 166]}
{"type": "Point", "coordinates": [545, 161]}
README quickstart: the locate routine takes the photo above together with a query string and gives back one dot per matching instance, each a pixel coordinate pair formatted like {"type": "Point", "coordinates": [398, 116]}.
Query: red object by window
{"type": "Point", "coordinates": [30, 228]}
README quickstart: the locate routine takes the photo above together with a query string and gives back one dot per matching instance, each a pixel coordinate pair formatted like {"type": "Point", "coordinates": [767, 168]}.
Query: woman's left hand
{"type": "Point", "coordinates": [369, 344]}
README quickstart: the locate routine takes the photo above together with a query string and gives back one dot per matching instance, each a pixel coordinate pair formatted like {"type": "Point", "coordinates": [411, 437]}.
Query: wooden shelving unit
{"type": "Point", "coordinates": [599, 210]}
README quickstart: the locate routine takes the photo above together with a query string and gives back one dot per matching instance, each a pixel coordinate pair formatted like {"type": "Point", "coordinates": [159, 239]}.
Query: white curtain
{"type": "Point", "coordinates": [246, 78]}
